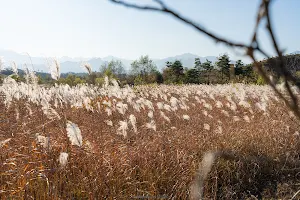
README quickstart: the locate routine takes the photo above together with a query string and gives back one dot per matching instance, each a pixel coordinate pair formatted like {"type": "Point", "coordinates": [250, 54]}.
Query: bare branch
{"type": "Point", "coordinates": [263, 13]}
{"type": "Point", "coordinates": [267, 79]}
{"type": "Point", "coordinates": [136, 6]}
{"type": "Point", "coordinates": [284, 71]}
{"type": "Point", "coordinates": [165, 9]}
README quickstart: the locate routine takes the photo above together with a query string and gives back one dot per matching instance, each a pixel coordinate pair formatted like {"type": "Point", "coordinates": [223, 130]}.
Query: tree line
{"type": "Point", "coordinates": [144, 71]}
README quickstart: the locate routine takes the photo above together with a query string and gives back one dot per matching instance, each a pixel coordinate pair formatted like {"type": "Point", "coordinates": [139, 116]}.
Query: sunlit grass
{"type": "Point", "coordinates": [143, 142]}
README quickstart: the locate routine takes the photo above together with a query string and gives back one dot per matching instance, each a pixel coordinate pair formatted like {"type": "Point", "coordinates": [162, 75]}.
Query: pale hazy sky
{"type": "Point", "coordinates": [98, 28]}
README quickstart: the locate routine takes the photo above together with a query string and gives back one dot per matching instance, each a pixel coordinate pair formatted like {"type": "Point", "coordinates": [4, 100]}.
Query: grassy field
{"type": "Point", "coordinates": [145, 142]}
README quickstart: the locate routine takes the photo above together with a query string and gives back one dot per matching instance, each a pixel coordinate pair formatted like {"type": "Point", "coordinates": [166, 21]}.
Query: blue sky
{"type": "Point", "coordinates": [98, 28]}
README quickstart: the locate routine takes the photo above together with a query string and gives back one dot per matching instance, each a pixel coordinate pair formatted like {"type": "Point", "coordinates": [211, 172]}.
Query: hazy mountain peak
{"type": "Point", "coordinates": [69, 64]}
{"type": "Point", "coordinates": [187, 55]}
{"type": "Point", "coordinates": [109, 58]}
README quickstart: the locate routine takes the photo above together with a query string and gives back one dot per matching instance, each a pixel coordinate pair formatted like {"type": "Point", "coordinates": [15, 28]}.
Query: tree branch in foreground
{"type": "Point", "coordinates": [263, 13]}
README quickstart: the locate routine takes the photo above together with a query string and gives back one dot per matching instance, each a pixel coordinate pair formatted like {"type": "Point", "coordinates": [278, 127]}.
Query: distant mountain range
{"type": "Point", "coordinates": [69, 64]}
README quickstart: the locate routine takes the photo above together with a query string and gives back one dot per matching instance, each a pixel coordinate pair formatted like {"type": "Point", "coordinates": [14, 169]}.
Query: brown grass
{"type": "Point", "coordinates": [159, 164]}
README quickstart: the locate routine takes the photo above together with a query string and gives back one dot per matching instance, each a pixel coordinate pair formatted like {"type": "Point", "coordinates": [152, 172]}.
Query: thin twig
{"type": "Point", "coordinates": [287, 76]}
{"type": "Point", "coordinates": [165, 9]}
{"type": "Point", "coordinates": [263, 13]}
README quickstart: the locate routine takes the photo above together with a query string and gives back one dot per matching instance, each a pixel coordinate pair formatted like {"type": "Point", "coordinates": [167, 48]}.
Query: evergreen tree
{"type": "Point", "coordinates": [249, 73]}
{"type": "Point", "coordinates": [174, 73]}
{"type": "Point", "coordinates": [168, 75]}
{"type": "Point", "coordinates": [169, 64]}
{"type": "Point", "coordinates": [207, 66]}
{"type": "Point", "coordinates": [197, 63]}
{"type": "Point", "coordinates": [192, 75]}
{"type": "Point", "coordinates": [224, 65]}
{"type": "Point", "coordinates": [177, 70]}
{"type": "Point", "coordinates": [239, 65]}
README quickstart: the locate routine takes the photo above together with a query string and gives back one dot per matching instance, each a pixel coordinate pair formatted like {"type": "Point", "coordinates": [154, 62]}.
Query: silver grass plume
{"type": "Point", "coordinates": [63, 159]}
{"type": "Point", "coordinates": [50, 112]}
{"type": "Point", "coordinates": [122, 130]}
{"type": "Point", "coordinates": [151, 125]}
{"type": "Point", "coordinates": [30, 75]}
{"type": "Point", "coordinates": [26, 71]}
{"type": "Point", "coordinates": [115, 83]}
{"type": "Point", "coordinates": [55, 69]}
{"type": "Point", "coordinates": [17, 114]}
{"type": "Point", "coordinates": [4, 142]}
{"type": "Point", "coordinates": [206, 126]}
{"type": "Point", "coordinates": [29, 109]}
{"type": "Point", "coordinates": [109, 122]}
{"type": "Point", "coordinates": [132, 120]}
{"type": "Point", "coordinates": [88, 67]}
{"type": "Point", "coordinates": [106, 82]}
{"type": "Point", "coordinates": [162, 114]}
{"type": "Point", "coordinates": [33, 77]}
{"type": "Point", "coordinates": [43, 141]}
{"type": "Point", "coordinates": [186, 117]}
{"type": "Point", "coordinates": [121, 107]}
{"type": "Point", "coordinates": [150, 114]}
{"type": "Point", "coordinates": [74, 134]}
{"type": "Point", "coordinates": [14, 68]}
{"type": "Point", "coordinates": [108, 111]}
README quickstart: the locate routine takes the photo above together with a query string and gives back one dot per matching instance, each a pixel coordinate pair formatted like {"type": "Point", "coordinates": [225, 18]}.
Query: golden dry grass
{"type": "Point", "coordinates": [149, 163]}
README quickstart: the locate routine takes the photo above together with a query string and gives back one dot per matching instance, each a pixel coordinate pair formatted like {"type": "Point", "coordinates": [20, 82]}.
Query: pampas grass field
{"type": "Point", "coordinates": [145, 142]}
